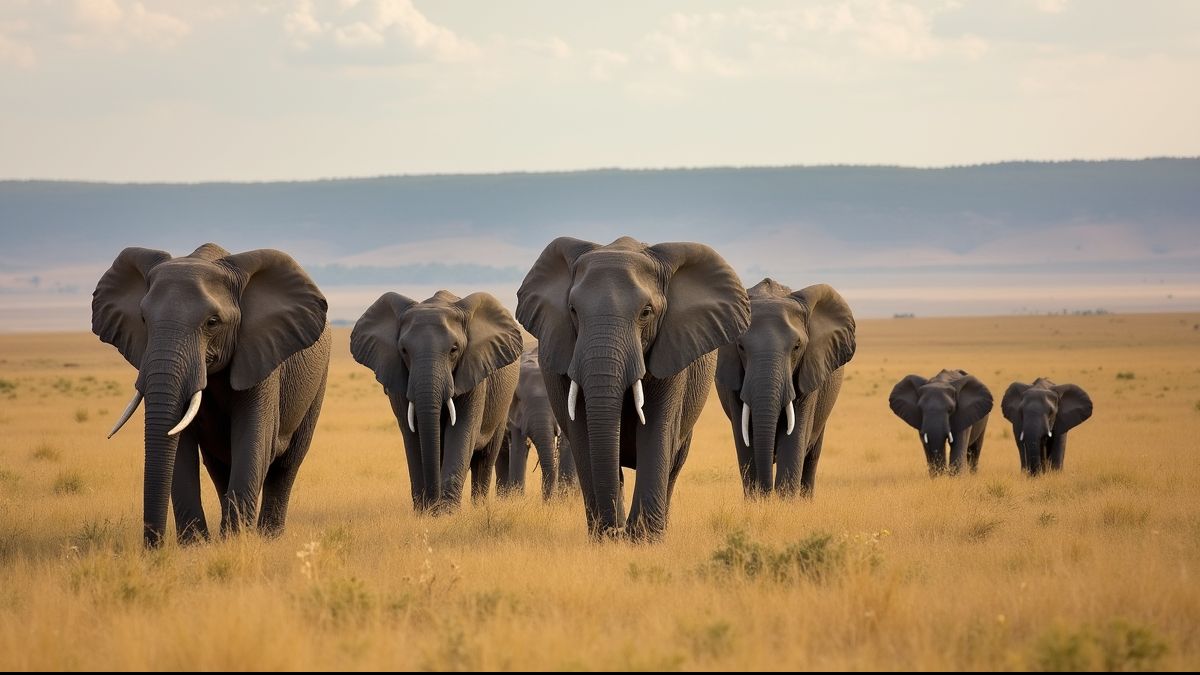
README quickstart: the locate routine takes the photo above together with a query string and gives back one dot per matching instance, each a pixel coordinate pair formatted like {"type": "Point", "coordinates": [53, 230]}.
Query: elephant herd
{"type": "Point", "coordinates": [233, 350]}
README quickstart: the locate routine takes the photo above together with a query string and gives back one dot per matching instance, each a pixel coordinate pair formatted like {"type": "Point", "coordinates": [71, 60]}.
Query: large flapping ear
{"type": "Point", "coordinates": [1074, 406]}
{"type": "Point", "coordinates": [904, 397]}
{"type": "Point", "coordinates": [493, 340]}
{"type": "Point", "coordinates": [283, 312]}
{"type": "Point", "coordinates": [543, 307]}
{"type": "Point", "coordinates": [117, 302]}
{"type": "Point", "coordinates": [1010, 405]}
{"type": "Point", "coordinates": [973, 402]}
{"type": "Point", "coordinates": [731, 374]}
{"type": "Point", "coordinates": [374, 341]}
{"type": "Point", "coordinates": [707, 307]}
{"type": "Point", "coordinates": [831, 342]}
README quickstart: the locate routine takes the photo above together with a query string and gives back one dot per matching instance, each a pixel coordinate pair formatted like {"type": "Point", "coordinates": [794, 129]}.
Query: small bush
{"type": "Point", "coordinates": [1125, 375]}
{"type": "Point", "coordinates": [68, 483]}
{"type": "Point", "coordinates": [63, 385]}
{"type": "Point", "coordinates": [1046, 519]}
{"type": "Point", "coordinates": [81, 415]}
{"type": "Point", "coordinates": [997, 489]}
{"type": "Point", "coordinates": [339, 602]}
{"type": "Point", "coordinates": [1118, 646]}
{"type": "Point", "coordinates": [46, 453]}
{"type": "Point", "coordinates": [7, 386]}
{"type": "Point", "coordinates": [1124, 515]}
{"type": "Point", "coordinates": [981, 530]}
{"type": "Point", "coordinates": [816, 558]}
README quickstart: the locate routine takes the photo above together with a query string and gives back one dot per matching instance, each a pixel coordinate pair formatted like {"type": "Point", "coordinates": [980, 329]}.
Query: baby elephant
{"type": "Point", "coordinates": [531, 422]}
{"type": "Point", "coordinates": [449, 368]}
{"type": "Point", "coordinates": [1041, 414]}
{"type": "Point", "coordinates": [952, 406]}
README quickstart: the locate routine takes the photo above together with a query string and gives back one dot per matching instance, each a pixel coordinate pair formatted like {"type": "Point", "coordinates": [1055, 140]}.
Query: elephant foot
{"type": "Point", "coordinates": [603, 534]}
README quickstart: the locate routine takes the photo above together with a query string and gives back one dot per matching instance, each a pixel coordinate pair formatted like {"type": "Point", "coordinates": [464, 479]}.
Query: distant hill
{"type": "Point", "coordinates": [877, 229]}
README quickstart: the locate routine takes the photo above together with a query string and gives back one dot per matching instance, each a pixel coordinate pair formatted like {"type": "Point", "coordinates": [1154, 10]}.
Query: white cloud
{"type": "Point", "coordinates": [371, 32]}
{"type": "Point", "coordinates": [605, 63]}
{"type": "Point", "coordinates": [115, 25]}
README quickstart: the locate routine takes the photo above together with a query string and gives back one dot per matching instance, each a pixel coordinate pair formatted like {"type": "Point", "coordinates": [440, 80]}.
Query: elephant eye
{"type": "Point", "coordinates": [647, 311]}
{"type": "Point", "coordinates": [796, 348]}
{"type": "Point", "coordinates": [453, 349]}
{"type": "Point", "coordinates": [213, 320]}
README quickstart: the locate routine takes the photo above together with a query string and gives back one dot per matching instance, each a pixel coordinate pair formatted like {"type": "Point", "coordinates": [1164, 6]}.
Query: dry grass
{"type": "Point", "coordinates": [1094, 568]}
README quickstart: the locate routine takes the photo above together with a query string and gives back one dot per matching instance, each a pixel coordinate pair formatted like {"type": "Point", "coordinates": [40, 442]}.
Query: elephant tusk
{"type": "Point", "coordinates": [639, 399]}
{"type": "Point", "coordinates": [129, 410]}
{"type": "Point", "coordinates": [1022, 436]}
{"type": "Point", "coordinates": [453, 414]}
{"type": "Point", "coordinates": [746, 424]}
{"type": "Point", "coordinates": [791, 417]}
{"type": "Point", "coordinates": [926, 439]}
{"type": "Point", "coordinates": [192, 409]}
{"type": "Point", "coordinates": [1051, 432]}
{"type": "Point", "coordinates": [572, 396]}
{"type": "Point", "coordinates": [951, 436]}
{"type": "Point", "coordinates": [412, 412]}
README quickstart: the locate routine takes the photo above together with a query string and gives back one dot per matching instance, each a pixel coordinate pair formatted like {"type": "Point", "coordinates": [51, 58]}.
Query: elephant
{"type": "Point", "coordinates": [790, 360]}
{"type": "Point", "coordinates": [434, 359]}
{"type": "Point", "coordinates": [232, 353]}
{"type": "Point", "coordinates": [531, 422]}
{"type": "Point", "coordinates": [951, 406]}
{"type": "Point", "coordinates": [1041, 414]}
{"type": "Point", "coordinates": [632, 330]}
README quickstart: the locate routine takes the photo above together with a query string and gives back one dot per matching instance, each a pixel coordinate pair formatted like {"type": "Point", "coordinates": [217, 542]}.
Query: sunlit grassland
{"type": "Point", "coordinates": [884, 569]}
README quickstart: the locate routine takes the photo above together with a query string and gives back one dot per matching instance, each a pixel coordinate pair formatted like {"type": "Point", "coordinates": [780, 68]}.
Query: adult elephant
{"type": "Point", "coordinates": [1041, 414]}
{"type": "Point", "coordinates": [232, 353]}
{"type": "Point", "coordinates": [631, 329]}
{"type": "Point", "coordinates": [789, 361]}
{"type": "Point", "coordinates": [449, 367]}
{"type": "Point", "coordinates": [531, 422]}
{"type": "Point", "coordinates": [952, 406]}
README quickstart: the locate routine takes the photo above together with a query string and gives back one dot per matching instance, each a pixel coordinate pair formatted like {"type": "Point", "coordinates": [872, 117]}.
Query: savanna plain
{"type": "Point", "coordinates": [1093, 568]}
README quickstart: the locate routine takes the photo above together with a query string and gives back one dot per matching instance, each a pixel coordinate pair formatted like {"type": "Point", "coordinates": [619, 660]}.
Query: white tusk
{"type": "Point", "coordinates": [926, 439]}
{"type": "Point", "coordinates": [746, 424]}
{"type": "Point", "coordinates": [951, 436]}
{"type": "Point", "coordinates": [1022, 436]}
{"type": "Point", "coordinates": [192, 409]}
{"type": "Point", "coordinates": [129, 410]}
{"type": "Point", "coordinates": [453, 414]}
{"type": "Point", "coordinates": [1051, 434]}
{"type": "Point", "coordinates": [791, 417]}
{"type": "Point", "coordinates": [639, 399]}
{"type": "Point", "coordinates": [572, 396]}
{"type": "Point", "coordinates": [412, 411]}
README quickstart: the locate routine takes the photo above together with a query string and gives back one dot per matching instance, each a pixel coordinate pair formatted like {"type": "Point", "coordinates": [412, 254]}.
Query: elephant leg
{"type": "Point", "coordinates": [483, 465]}
{"type": "Point", "coordinates": [190, 525]}
{"type": "Point", "coordinates": [458, 449]}
{"type": "Point", "coordinates": [568, 477]}
{"type": "Point", "coordinates": [1057, 451]}
{"type": "Point", "coordinates": [808, 477]}
{"type": "Point", "coordinates": [218, 472]}
{"type": "Point", "coordinates": [504, 482]}
{"type": "Point", "coordinates": [412, 452]}
{"type": "Point", "coordinates": [281, 475]}
{"type": "Point", "coordinates": [648, 512]}
{"type": "Point", "coordinates": [958, 454]}
{"type": "Point", "coordinates": [677, 466]}
{"type": "Point", "coordinates": [253, 440]}
{"type": "Point", "coordinates": [789, 462]}
{"type": "Point", "coordinates": [745, 456]}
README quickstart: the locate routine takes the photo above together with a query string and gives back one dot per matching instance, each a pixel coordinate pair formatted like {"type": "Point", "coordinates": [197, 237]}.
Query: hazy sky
{"type": "Point", "coordinates": [178, 90]}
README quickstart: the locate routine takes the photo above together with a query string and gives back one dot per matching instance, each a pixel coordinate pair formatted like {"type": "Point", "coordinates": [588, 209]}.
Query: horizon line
{"type": "Point", "coordinates": [598, 169]}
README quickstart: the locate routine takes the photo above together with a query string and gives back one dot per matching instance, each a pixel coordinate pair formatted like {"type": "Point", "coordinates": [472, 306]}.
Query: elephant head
{"type": "Point", "coordinates": [1039, 413]}
{"type": "Point", "coordinates": [427, 353]}
{"type": "Point", "coordinates": [180, 321]}
{"type": "Point", "coordinates": [940, 409]}
{"type": "Point", "coordinates": [531, 419]}
{"type": "Point", "coordinates": [795, 341]}
{"type": "Point", "coordinates": [607, 316]}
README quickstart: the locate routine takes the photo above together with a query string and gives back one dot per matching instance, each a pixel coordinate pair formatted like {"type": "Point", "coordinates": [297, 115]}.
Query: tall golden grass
{"type": "Point", "coordinates": [1093, 568]}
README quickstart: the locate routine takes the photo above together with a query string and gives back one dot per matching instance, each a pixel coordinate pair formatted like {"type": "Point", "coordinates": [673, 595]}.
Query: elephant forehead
{"type": "Point", "coordinates": [1039, 399]}
{"type": "Point", "coordinates": [937, 393]}
{"type": "Point", "coordinates": [775, 315]}
{"type": "Point", "coordinates": [617, 272]}
{"type": "Point", "coordinates": [190, 280]}
{"type": "Point", "coordinates": [444, 320]}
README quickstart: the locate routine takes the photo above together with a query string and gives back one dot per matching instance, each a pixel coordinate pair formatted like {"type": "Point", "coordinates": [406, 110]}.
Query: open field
{"type": "Point", "coordinates": [1094, 568]}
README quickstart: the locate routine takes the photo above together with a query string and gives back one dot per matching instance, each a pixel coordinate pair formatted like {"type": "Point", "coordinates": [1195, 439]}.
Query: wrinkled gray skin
{"type": "Point", "coordinates": [426, 354]}
{"type": "Point", "coordinates": [249, 331]}
{"type": "Point", "coordinates": [531, 422]}
{"type": "Point", "coordinates": [952, 403]}
{"type": "Point", "coordinates": [792, 355]}
{"type": "Point", "coordinates": [608, 317]}
{"type": "Point", "coordinates": [1041, 414]}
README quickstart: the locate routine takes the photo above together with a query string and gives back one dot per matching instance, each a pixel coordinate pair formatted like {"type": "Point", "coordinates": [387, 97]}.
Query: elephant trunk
{"type": "Point", "coordinates": [170, 374]}
{"type": "Point", "coordinates": [1032, 442]}
{"type": "Point", "coordinates": [542, 433]}
{"type": "Point", "coordinates": [428, 391]}
{"type": "Point", "coordinates": [767, 390]}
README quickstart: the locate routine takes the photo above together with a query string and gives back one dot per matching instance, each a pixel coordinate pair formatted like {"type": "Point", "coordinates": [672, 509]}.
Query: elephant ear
{"type": "Point", "coordinates": [283, 312]}
{"type": "Point", "coordinates": [730, 373]}
{"type": "Point", "coordinates": [974, 402]}
{"type": "Point", "coordinates": [117, 302]}
{"type": "Point", "coordinates": [373, 342]}
{"type": "Point", "coordinates": [1010, 405]}
{"type": "Point", "coordinates": [903, 399]}
{"type": "Point", "coordinates": [493, 340]}
{"type": "Point", "coordinates": [831, 341]}
{"type": "Point", "coordinates": [707, 307]}
{"type": "Point", "coordinates": [542, 302]}
{"type": "Point", "coordinates": [1074, 407]}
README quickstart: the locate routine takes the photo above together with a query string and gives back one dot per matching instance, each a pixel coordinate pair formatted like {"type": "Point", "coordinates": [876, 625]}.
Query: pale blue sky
{"type": "Point", "coordinates": [176, 90]}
